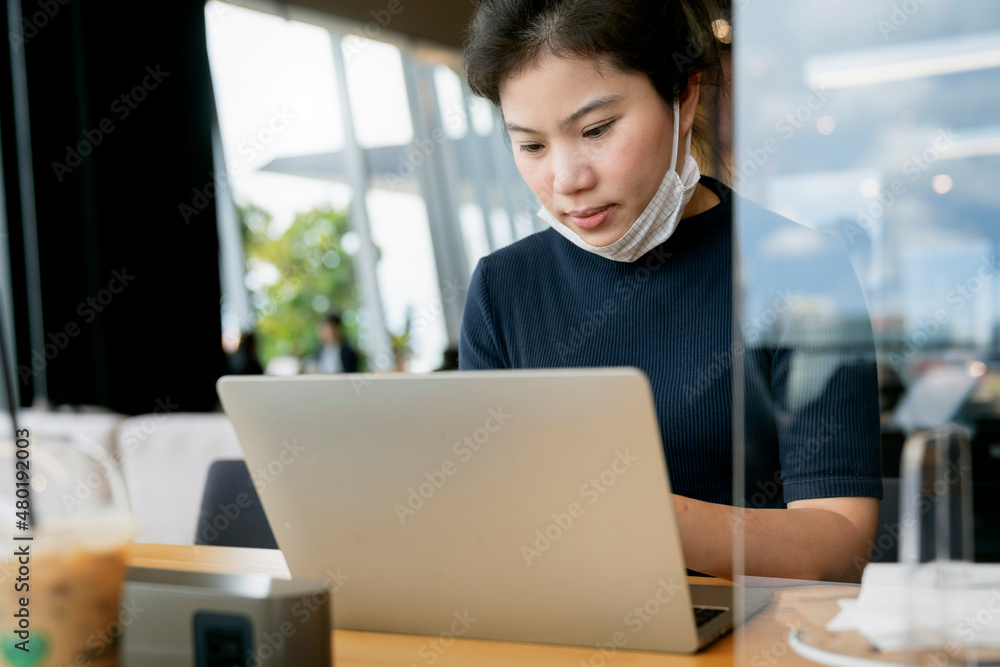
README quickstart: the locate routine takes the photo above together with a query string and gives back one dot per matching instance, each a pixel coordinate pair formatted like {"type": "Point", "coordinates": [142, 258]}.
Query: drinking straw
{"type": "Point", "coordinates": [9, 385]}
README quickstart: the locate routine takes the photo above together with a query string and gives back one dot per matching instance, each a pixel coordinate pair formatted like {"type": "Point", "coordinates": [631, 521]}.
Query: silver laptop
{"type": "Point", "coordinates": [528, 506]}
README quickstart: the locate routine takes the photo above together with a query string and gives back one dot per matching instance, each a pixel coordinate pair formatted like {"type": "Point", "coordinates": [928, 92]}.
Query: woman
{"type": "Point", "coordinates": [599, 99]}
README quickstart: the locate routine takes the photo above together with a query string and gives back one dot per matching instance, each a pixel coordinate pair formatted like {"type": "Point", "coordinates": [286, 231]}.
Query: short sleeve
{"type": "Point", "coordinates": [807, 316]}
{"type": "Point", "coordinates": [825, 384]}
{"type": "Point", "coordinates": [478, 348]}
{"type": "Point", "coordinates": [829, 447]}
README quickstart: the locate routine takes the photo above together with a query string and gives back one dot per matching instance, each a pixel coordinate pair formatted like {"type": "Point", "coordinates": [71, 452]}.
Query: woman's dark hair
{"type": "Point", "coordinates": [667, 40]}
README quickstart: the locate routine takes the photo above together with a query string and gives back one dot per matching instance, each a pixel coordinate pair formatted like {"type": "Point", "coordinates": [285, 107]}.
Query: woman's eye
{"type": "Point", "coordinates": [531, 148]}
{"type": "Point", "coordinates": [599, 130]}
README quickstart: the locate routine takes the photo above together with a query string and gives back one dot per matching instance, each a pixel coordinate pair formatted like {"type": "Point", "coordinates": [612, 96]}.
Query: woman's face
{"type": "Point", "coordinates": [593, 145]}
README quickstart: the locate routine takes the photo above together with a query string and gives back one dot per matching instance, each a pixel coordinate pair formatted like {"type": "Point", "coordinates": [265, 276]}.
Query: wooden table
{"type": "Point", "coordinates": [761, 642]}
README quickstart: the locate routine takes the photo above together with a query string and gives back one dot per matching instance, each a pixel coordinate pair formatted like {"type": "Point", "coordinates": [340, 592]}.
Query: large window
{"type": "Point", "coordinates": [310, 115]}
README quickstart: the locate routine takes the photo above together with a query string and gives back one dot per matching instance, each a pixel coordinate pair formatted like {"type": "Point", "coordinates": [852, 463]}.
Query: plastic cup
{"type": "Point", "coordinates": [61, 576]}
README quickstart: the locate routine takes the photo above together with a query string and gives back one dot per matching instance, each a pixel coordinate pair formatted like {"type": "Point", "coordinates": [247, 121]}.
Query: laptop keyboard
{"type": "Point", "coordinates": [703, 615]}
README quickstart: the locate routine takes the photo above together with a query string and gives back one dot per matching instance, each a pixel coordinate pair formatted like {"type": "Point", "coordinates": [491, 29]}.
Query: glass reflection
{"type": "Point", "coordinates": [872, 126]}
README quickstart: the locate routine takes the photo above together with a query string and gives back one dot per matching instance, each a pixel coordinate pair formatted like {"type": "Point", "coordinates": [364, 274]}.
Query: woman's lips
{"type": "Point", "coordinates": [592, 217]}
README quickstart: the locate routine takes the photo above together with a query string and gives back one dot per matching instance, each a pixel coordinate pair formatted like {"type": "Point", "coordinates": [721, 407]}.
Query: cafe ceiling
{"type": "Point", "coordinates": [439, 21]}
{"type": "Point", "coordinates": [442, 22]}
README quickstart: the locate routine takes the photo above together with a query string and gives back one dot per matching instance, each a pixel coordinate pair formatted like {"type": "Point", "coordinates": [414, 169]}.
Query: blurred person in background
{"type": "Point", "coordinates": [891, 390]}
{"type": "Point", "coordinates": [335, 355]}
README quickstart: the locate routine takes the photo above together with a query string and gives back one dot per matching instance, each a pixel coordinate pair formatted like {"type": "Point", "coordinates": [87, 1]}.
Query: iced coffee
{"type": "Point", "coordinates": [72, 587]}
{"type": "Point", "coordinates": [63, 562]}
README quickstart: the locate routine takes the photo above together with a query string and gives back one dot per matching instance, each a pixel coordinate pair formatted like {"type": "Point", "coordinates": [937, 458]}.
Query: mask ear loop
{"type": "Point", "coordinates": [677, 129]}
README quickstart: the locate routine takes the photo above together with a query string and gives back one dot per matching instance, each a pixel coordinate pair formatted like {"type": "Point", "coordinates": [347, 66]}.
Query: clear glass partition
{"type": "Point", "coordinates": [866, 162]}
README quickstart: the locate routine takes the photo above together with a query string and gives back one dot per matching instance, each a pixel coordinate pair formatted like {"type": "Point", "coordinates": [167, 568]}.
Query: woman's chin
{"type": "Point", "coordinates": [599, 238]}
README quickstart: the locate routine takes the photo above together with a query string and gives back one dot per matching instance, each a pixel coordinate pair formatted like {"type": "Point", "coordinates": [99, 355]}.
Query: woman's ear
{"type": "Point", "coordinates": [689, 103]}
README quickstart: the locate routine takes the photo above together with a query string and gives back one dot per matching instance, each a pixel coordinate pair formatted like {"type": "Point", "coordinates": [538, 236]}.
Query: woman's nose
{"type": "Point", "coordinates": [572, 173]}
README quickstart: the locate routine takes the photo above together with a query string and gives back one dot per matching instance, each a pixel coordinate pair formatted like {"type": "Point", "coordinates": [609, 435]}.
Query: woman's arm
{"type": "Point", "coordinates": [818, 374]}
{"type": "Point", "coordinates": [824, 539]}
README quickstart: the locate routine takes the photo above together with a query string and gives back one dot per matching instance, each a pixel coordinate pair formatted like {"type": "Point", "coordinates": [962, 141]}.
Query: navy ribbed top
{"type": "Point", "coordinates": [811, 397]}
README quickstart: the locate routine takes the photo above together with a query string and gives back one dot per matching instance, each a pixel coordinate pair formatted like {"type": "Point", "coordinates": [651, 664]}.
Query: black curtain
{"type": "Point", "coordinates": [121, 111]}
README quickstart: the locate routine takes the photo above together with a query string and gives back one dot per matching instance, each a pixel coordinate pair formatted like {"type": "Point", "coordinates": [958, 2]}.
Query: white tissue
{"type": "Point", "coordinates": [952, 605]}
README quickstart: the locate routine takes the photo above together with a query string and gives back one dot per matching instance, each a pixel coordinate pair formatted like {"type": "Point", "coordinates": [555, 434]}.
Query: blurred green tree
{"type": "Point", "coordinates": [296, 277]}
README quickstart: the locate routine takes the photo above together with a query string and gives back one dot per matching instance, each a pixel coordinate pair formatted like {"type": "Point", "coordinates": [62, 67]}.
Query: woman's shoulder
{"type": "Point", "coordinates": [754, 221]}
{"type": "Point", "coordinates": [761, 229]}
{"type": "Point", "coordinates": [804, 273]}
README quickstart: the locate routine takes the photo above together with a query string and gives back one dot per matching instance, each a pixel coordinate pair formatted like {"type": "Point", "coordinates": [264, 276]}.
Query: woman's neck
{"type": "Point", "coordinates": [702, 200]}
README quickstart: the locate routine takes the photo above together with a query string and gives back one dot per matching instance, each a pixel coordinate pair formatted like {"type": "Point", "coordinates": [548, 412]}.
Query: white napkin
{"type": "Point", "coordinates": [953, 605]}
